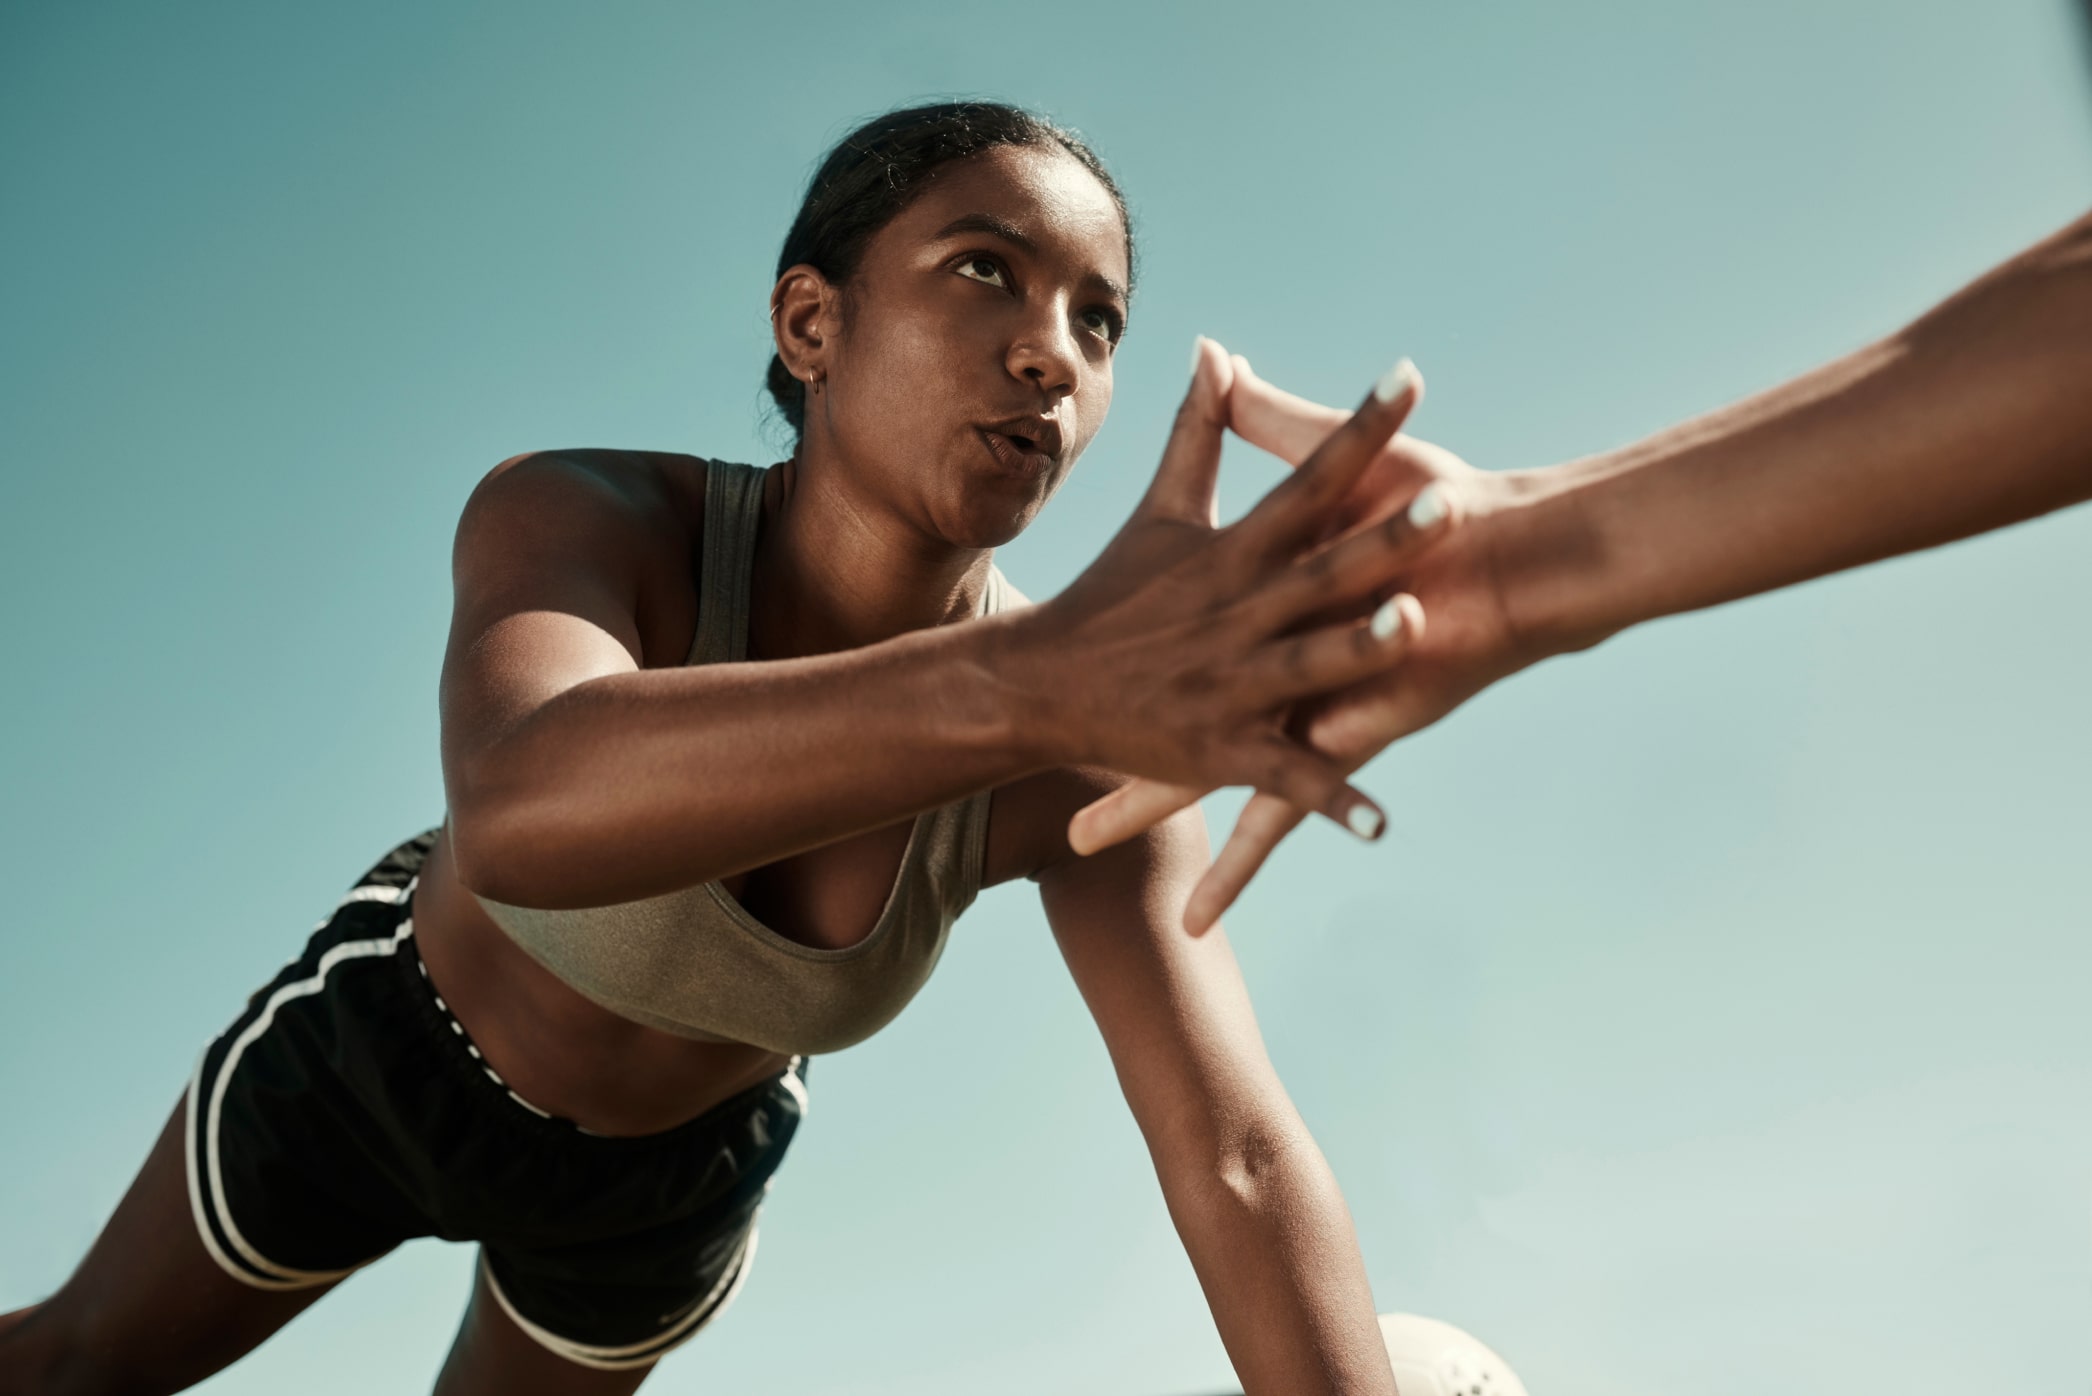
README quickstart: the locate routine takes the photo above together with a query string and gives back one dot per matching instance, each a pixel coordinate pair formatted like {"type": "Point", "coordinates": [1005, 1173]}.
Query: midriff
{"type": "Point", "coordinates": [555, 1048]}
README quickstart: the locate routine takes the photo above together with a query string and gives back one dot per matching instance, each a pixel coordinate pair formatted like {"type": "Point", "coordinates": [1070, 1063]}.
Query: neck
{"type": "Point", "coordinates": [836, 570]}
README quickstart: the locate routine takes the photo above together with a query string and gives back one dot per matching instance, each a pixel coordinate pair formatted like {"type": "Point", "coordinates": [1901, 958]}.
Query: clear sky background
{"type": "Point", "coordinates": [1713, 1019]}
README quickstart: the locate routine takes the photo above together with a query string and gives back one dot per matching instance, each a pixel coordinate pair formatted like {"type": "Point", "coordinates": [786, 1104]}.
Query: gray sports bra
{"type": "Point", "coordinates": [694, 962]}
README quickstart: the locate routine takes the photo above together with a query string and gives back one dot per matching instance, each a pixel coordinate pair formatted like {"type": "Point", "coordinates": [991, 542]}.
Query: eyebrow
{"type": "Point", "coordinates": [1009, 232]}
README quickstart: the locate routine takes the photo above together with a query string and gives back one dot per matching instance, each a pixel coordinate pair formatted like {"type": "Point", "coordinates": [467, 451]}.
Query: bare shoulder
{"type": "Point", "coordinates": [586, 531]}
{"type": "Point", "coordinates": [541, 492]}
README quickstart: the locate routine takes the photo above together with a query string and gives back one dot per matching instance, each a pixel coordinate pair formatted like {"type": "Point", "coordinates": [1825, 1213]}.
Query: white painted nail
{"type": "Point", "coordinates": [1364, 821]}
{"type": "Point", "coordinates": [1198, 352]}
{"type": "Point", "coordinates": [1387, 621]}
{"type": "Point", "coordinates": [1394, 380]}
{"type": "Point", "coordinates": [1428, 507]}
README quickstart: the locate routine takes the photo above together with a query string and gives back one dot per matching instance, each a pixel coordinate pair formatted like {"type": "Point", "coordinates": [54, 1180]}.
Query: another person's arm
{"type": "Point", "coordinates": [578, 776]}
{"type": "Point", "coordinates": [1252, 1198]}
{"type": "Point", "coordinates": [1977, 415]}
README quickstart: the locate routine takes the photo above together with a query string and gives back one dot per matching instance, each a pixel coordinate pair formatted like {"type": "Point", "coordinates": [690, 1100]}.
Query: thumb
{"type": "Point", "coordinates": [1274, 420]}
{"type": "Point", "coordinates": [1183, 487]}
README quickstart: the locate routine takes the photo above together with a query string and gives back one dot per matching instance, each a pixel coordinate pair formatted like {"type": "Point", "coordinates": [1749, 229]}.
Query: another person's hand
{"type": "Point", "coordinates": [1179, 653]}
{"type": "Point", "coordinates": [1422, 514]}
{"type": "Point", "coordinates": [1183, 646]}
{"type": "Point", "coordinates": [1972, 417]}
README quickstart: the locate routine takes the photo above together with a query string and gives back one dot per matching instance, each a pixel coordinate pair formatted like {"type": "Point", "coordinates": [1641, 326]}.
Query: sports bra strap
{"type": "Point", "coordinates": [733, 509]}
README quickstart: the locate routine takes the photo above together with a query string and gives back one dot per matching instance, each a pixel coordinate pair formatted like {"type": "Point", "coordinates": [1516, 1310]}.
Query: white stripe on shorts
{"type": "Point", "coordinates": [279, 1276]}
{"type": "Point", "coordinates": [652, 1350]}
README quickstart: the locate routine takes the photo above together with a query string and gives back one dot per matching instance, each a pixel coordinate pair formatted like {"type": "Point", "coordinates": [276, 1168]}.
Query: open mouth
{"type": "Point", "coordinates": [1021, 451]}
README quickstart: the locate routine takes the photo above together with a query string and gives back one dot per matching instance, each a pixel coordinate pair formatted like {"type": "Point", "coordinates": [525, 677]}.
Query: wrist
{"type": "Point", "coordinates": [1554, 555]}
{"type": "Point", "coordinates": [950, 683]}
{"type": "Point", "coordinates": [1015, 657]}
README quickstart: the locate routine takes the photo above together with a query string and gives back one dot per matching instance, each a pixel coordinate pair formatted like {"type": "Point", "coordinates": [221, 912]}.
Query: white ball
{"type": "Point", "coordinates": [1436, 1359]}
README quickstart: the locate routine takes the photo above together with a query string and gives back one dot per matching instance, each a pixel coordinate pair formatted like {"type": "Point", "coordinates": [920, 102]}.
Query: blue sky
{"type": "Point", "coordinates": [1713, 1017]}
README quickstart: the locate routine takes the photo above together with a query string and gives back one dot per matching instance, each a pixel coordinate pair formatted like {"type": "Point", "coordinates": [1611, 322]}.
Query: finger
{"type": "Point", "coordinates": [1131, 809]}
{"type": "Point", "coordinates": [1356, 725]}
{"type": "Point", "coordinates": [1334, 657]}
{"type": "Point", "coordinates": [1304, 777]}
{"type": "Point", "coordinates": [1183, 487]}
{"type": "Point", "coordinates": [1264, 824]}
{"type": "Point", "coordinates": [1355, 565]}
{"type": "Point", "coordinates": [1302, 503]}
{"type": "Point", "coordinates": [1350, 609]}
{"type": "Point", "coordinates": [1274, 420]}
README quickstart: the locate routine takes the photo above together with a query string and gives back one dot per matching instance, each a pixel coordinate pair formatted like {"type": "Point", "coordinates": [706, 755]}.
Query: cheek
{"type": "Point", "coordinates": [908, 365]}
{"type": "Point", "coordinates": [1094, 403]}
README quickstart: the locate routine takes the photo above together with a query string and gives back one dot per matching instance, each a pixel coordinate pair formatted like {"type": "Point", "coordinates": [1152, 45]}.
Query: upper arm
{"type": "Point", "coordinates": [563, 562]}
{"type": "Point", "coordinates": [1172, 1008]}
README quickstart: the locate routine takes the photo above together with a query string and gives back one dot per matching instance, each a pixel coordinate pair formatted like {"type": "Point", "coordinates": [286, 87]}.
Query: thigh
{"type": "Point", "coordinates": [626, 1248]}
{"type": "Point", "coordinates": [148, 1310]}
{"type": "Point", "coordinates": [494, 1357]}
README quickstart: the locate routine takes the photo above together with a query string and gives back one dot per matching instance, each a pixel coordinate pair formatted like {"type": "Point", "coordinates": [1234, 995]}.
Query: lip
{"type": "Point", "coordinates": [1014, 458]}
{"type": "Point", "coordinates": [1038, 428]}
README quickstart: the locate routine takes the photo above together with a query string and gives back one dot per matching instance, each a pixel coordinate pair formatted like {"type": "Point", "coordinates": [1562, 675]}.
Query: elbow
{"type": "Point", "coordinates": [493, 847]}
{"type": "Point", "coordinates": [1255, 1166]}
{"type": "Point", "coordinates": [479, 866]}
{"type": "Point", "coordinates": [1252, 1170]}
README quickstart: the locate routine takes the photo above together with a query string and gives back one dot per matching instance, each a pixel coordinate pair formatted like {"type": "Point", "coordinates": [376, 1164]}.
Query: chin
{"type": "Point", "coordinates": [990, 514]}
{"type": "Point", "coordinates": [987, 529]}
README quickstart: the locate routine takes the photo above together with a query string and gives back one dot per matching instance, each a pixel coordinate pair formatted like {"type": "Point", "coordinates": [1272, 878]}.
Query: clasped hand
{"type": "Point", "coordinates": [1299, 646]}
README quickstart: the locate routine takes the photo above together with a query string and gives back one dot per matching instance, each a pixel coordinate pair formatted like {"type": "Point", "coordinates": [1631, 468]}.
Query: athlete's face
{"type": "Point", "coordinates": [969, 362]}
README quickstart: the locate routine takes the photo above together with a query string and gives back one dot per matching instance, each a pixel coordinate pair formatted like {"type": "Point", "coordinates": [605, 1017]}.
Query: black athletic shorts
{"type": "Point", "coordinates": [346, 1111]}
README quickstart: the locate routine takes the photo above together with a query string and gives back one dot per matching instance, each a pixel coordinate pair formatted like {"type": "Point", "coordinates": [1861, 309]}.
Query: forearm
{"type": "Point", "coordinates": [1275, 1251]}
{"type": "Point", "coordinates": [1253, 1200]}
{"type": "Point", "coordinates": [638, 783]}
{"type": "Point", "coordinates": [1976, 416]}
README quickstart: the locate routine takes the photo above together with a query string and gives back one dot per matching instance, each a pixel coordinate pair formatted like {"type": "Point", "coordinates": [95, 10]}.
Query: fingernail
{"type": "Point", "coordinates": [1428, 507]}
{"type": "Point", "coordinates": [1198, 353]}
{"type": "Point", "coordinates": [1387, 622]}
{"type": "Point", "coordinates": [1394, 380]}
{"type": "Point", "coordinates": [1364, 821]}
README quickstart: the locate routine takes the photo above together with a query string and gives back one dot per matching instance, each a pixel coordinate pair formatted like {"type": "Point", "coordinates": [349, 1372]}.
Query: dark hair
{"type": "Point", "coordinates": [878, 169]}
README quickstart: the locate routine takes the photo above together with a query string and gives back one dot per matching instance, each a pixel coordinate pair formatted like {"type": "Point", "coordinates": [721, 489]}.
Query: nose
{"type": "Point", "coordinates": [1045, 355]}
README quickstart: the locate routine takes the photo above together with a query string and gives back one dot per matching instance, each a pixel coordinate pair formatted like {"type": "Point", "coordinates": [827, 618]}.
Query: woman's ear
{"type": "Point", "coordinates": [800, 322]}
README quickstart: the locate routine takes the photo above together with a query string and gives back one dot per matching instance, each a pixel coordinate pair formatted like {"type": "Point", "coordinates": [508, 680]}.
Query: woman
{"type": "Point", "coordinates": [726, 752]}
{"type": "Point", "coordinates": [1972, 417]}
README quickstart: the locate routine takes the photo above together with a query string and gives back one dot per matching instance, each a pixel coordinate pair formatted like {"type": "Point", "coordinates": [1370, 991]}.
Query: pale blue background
{"type": "Point", "coordinates": [1714, 1018]}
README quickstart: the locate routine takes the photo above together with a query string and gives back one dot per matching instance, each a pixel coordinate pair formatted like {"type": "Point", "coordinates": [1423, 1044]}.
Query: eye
{"type": "Point", "coordinates": [1104, 322]}
{"type": "Point", "coordinates": [983, 269]}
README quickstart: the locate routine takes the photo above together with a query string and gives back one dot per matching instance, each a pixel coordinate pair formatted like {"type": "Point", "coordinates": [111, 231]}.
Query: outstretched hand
{"type": "Point", "coordinates": [1180, 652]}
{"type": "Point", "coordinates": [1970, 418]}
{"type": "Point", "coordinates": [1416, 513]}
